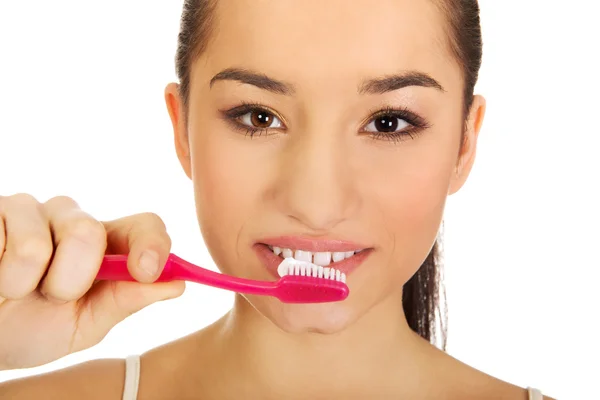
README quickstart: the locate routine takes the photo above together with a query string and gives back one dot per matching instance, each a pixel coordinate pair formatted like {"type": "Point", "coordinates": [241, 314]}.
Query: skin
{"type": "Point", "coordinates": [321, 175]}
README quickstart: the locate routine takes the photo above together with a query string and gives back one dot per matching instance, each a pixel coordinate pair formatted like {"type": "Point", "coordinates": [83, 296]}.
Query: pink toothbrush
{"type": "Point", "coordinates": [288, 289]}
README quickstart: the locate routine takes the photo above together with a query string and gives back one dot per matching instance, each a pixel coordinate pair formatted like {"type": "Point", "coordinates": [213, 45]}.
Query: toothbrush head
{"type": "Point", "coordinates": [307, 289]}
{"type": "Point", "coordinates": [304, 282]}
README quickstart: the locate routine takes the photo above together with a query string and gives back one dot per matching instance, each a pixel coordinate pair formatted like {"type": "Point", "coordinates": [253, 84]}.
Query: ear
{"type": "Point", "coordinates": [177, 114]}
{"type": "Point", "coordinates": [466, 156]}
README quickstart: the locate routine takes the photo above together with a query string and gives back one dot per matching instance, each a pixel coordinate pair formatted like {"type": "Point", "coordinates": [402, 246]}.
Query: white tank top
{"type": "Point", "coordinates": [132, 381]}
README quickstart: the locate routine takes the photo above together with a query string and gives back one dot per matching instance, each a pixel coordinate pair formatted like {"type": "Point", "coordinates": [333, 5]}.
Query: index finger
{"type": "Point", "coordinates": [144, 238]}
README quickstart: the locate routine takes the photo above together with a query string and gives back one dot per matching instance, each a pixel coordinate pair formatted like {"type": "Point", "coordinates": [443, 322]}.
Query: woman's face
{"type": "Point", "coordinates": [312, 122]}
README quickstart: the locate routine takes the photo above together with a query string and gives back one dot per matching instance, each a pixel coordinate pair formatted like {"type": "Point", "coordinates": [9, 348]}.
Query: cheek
{"type": "Point", "coordinates": [415, 212]}
{"type": "Point", "coordinates": [227, 181]}
{"type": "Point", "coordinates": [411, 202]}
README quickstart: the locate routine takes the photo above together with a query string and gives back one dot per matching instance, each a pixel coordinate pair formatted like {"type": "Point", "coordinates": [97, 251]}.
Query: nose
{"type": "Point", "coordinates": [315, 184]}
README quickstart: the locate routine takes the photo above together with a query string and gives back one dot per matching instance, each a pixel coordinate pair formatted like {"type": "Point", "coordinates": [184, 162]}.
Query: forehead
{"type": "Point", "coordinates": [333, 39]}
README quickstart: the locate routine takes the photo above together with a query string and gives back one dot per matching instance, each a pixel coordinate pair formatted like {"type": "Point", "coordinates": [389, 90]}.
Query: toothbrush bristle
{"type": "Point", "coordinates": [312, 270]}
{"type": "Point", "coordinates": [308, 289]}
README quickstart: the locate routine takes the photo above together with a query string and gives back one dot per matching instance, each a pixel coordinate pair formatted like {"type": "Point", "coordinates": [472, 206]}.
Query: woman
{"type": "Point", "coordinates": [315, 127]}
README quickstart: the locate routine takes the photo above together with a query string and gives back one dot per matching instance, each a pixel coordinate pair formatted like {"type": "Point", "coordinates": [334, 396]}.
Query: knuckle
{"type": "Point", "coordinates": [87, 230]}
{"type": "Point", "coordinates": [154, 220]}
{"type": "Point", "coordinates": [33, 249]}
{"type": "Point", "coordinates": [15, 289]}
{"type": "Point", "coordinates": [167, 240]}
{"type": "Point", "coordinates": [20, 199]}
{"type": "Point", "coordinates": [151, 228]}
{"type": "Point", "coordinates": [62, 202]}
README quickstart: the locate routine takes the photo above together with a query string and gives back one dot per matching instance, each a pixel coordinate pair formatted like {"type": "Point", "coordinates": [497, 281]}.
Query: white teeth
{"type": "Point", "coordinates": [302, 255]}
{"type": "Point", "coordinates": [338, 256]}
{"type": "Point", "coordinates": [323, 258]}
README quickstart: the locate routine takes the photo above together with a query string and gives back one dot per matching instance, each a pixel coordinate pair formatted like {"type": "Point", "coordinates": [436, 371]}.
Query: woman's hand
{"type": "Point", "coordinates": [50, 253]}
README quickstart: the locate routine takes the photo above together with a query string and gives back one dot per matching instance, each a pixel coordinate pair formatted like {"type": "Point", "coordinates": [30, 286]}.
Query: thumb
{"type": "Point", "coordinates": [110, 302]}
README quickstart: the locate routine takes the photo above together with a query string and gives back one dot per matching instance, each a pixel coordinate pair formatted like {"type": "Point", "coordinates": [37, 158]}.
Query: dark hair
{"type": "Point", "coordinates": [423, 292]}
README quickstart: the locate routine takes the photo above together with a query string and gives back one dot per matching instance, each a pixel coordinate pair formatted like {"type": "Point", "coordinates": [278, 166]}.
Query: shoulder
{"type": "Point", "coordinates": [463, 381]}
{"type": "Point", "coordinates": [184, 368]}
{"type": "Point", "coordinates": [168, 371]}
{"type": "Point", "coordinates": [98, 379]}
{"type": "Point", "coordinates": [105, 379]}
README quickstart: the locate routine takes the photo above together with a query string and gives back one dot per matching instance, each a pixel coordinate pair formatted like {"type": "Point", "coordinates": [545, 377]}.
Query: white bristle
{"type": "Point", "coordinates": [291, 266]}
{"type": "Point", "coordinates": [283, 269]}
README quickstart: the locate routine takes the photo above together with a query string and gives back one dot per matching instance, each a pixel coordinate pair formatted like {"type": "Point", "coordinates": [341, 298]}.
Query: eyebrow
{"type": "Point", "coordinates": [394, 82]}
{"type": "Point", "coordinates": [259, 80]}
{"type": "Point", "coordinates": [372, 86]}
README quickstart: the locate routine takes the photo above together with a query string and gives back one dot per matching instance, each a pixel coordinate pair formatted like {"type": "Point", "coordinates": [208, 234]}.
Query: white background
{"type": "Point", "coordinates": [82, 114]}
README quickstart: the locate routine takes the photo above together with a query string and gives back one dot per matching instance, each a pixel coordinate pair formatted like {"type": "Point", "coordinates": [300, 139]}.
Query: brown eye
{"type": "Point", "coordinates": [260, 119]}
{"type": "Point", "coordinates": [386, 124]}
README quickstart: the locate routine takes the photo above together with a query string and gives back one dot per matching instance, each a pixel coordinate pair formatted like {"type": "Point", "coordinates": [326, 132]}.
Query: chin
{"type": "Point", "coordinates": [324, 318]}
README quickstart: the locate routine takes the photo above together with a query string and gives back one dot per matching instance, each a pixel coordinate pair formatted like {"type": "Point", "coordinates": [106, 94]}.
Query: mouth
{"type": "Point", "coordinates": [342, 256]}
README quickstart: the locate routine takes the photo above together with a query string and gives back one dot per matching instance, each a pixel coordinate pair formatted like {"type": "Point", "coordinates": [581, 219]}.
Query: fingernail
{"type": "Point", "coordinates": [149, 262]}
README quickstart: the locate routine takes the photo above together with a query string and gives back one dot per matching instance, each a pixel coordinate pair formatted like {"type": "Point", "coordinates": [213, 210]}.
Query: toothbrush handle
{"type": "Point", "coordinates": [114, 268]}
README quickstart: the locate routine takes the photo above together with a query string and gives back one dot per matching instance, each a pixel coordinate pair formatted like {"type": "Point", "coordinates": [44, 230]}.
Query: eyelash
{"type": "Point", "coordinates": [232, 116]}
{"type": "Point", "coordinates": [416, 123]}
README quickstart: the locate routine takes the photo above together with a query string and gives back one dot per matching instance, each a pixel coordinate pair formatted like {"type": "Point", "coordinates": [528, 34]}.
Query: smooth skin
{"type": "Point", "coordinates": [319, 171]}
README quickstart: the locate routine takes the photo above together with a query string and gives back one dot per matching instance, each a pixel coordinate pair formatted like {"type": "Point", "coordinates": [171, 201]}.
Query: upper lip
{"type": "Point", "coordinates": [312, 244]}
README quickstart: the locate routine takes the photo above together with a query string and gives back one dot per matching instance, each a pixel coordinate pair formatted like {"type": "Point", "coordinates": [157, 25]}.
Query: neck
{"type": "Point", "coordinates": [378, 349]}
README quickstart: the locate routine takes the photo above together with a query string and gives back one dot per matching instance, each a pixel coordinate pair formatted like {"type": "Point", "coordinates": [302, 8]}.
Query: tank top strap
{"type": "Point", "coordinates": [132, 377]}
{"type": "Point", "coordinates": [534, 394]}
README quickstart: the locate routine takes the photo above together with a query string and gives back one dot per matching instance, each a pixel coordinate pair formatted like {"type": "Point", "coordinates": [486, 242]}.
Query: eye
{"type": "Point", "coordinates": [260, 119]}
{"type": "Point", "coordinates": [395, 124]}
{"type": "Point", "coordinates": [386, 123]}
